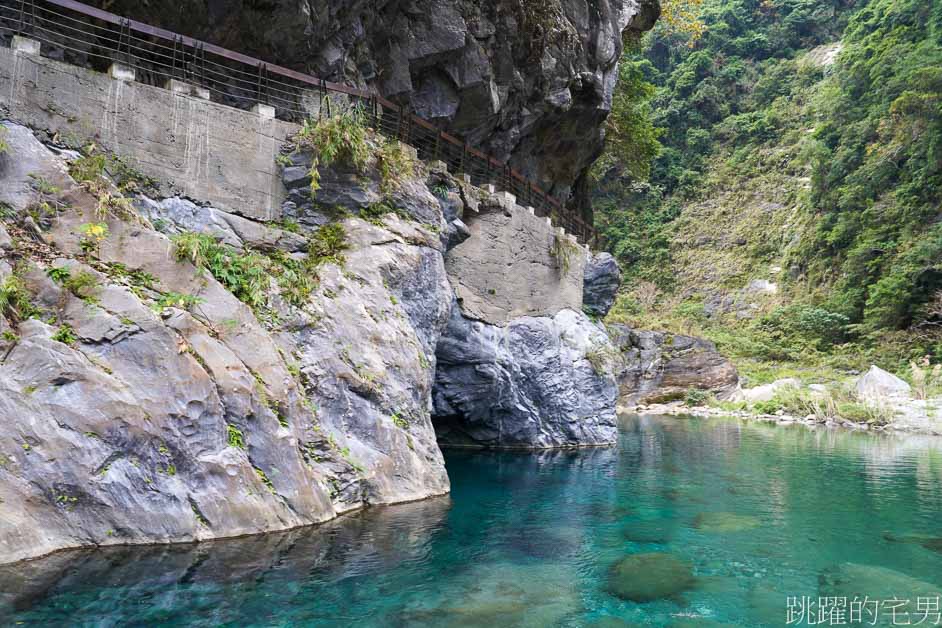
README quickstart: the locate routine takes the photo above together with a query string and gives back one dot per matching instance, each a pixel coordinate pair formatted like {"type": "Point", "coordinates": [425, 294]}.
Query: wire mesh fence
{"type": "Point", "coordinates": [86, 36]}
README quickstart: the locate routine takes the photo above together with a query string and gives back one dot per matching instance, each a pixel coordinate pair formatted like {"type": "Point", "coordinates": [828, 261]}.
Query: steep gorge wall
{"type": "Point", "coordinates": [155, 406]}
{"type": "Point", "coordinates": [528, 81]}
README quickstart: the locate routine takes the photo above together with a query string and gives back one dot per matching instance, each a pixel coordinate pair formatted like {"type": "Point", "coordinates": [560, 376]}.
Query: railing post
{"type": "Point", "coordinates": [324, 96]}
{"type": "Point", "coordinates": [22, 22]}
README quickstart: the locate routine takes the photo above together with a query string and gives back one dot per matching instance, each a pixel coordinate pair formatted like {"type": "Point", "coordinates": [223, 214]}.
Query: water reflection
{"type": "Point", "coordinates": [93, 583]}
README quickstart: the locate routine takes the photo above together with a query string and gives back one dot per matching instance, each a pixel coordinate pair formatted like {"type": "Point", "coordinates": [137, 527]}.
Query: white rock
{"type": "Point", "coordinates": [767, 391]}
{"type": "Point", "coordinates": [876, 385]}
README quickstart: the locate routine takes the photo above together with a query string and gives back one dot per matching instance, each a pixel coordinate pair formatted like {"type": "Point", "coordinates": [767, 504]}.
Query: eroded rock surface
{"type": "Point", "coordinates": [148, 404]}
{"type": "Point", "coordinates": [658, 366]}
{"type": "Point", "coordinates": [538, 382]}
{"type": "Point", "coordinates": [151, 395]}
{"type": "Point", "coordinates": [601, 281]}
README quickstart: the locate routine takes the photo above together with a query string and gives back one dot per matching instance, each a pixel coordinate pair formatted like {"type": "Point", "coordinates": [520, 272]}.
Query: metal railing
{"type": "Point", "coordinates": [90, 37]}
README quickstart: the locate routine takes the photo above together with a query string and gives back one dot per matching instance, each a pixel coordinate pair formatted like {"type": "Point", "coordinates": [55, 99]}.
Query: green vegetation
{"type": "Point", "coordinates": [563, 251]}
{"type": "Point", "coordinates": [234, 436]}
{"type": "Point", "coordinates": [375, 213]}
{"type": "Point", "coordinates": [264, 478]}
{"type": "Point", "coordinates": [399, 421]}
{"type": "Point", "coordinates": [93, 234]}
{"type": "Point", "coordinates": [243, 274]}
{"type": "Point", "coordinates": [66, 335]}
{"type": "Point", "coordinates": [247, 274]}
{"type": "Point", "coordinates": [696, 397]}
{"type": "Point", "coordinates": [15, 300]}
{"type": "Point", "coordinates": [83, 284]}
{"type": "Point", "coordinates": [791, 141]}
{"type": "Point", "coordinates": [177, 300]}
{"type": "Point", "coordinates": [4, 146]}
{"type": "Point", "coordinates": [345, 138]}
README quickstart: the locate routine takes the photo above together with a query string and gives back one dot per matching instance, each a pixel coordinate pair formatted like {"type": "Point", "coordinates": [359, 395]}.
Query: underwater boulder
{"type": "Point", "coordinates": [725, 522]}
{"type": "Point", "coordinates": [651, 576]}
{"type": "Point", "coordinates": [652, 531]}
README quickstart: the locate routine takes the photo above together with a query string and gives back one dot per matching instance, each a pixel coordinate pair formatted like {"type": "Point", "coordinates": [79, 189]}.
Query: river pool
{"type": "Point", "coordinates": [698, 522]}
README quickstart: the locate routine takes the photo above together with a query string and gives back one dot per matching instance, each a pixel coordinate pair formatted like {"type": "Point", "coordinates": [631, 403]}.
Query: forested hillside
{"type": "Point", "coordinates": [772, 181]}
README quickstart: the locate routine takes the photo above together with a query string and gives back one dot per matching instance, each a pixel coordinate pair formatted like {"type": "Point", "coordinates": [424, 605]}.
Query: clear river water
{"type": "Point", "coordinates": [721, 522]}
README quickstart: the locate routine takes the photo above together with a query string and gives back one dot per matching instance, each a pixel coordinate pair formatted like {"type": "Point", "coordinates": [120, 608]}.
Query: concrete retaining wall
{"type": "Point", "coordinates": [514, 264]}
{"type": "Point", "coordinates": [200, 149]}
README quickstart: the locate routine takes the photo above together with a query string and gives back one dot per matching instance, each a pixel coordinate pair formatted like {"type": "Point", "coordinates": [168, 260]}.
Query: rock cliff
{"type": "Point", "coordinates": [529, 81]}
{"type": "Point", "coordinates": [147, 403]}
{"type": "Point", "coordinates": [657, 366]}
{"type": "Point", "coordinates": [170, 371]}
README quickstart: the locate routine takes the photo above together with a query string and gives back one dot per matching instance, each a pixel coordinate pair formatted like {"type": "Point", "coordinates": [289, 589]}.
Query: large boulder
{"type": "Point", "coordinates": [601, 280]}
{"type": "Point", "coordinates": [658, 366]}
{"type": "Point", "coordinates": [648, 577]}
{"type": "Point", "coordinates": [878, 385]}
{"type": "Point", "coordinates": [539, 382]}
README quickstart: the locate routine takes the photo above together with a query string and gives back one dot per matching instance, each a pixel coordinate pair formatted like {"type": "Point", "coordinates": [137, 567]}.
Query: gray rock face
{"type": "Point", "coordinates": [146, 403]}
{"type": "Point", "coordinates": [530, 82]}
{"type": "Point", "coordinates": [128, 420]}
{"type": "Point", "coordinates": [601, 281]}
{"type": "Point", "coordinates": [656, 366]}
{"type": "Point", "coordinates": [539, 382]}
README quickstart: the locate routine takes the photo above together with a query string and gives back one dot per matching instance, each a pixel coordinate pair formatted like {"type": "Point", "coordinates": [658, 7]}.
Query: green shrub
{"type": "Point", "coordinates": [695, 397]}
{"type": "Point", "coordinates": [248, 274]}
{"type": "Point", "coordinates": [234, 436]}
{"type": "Point", "coordinates": [83, 284]}
{"type": "Point", "coordinates": [341, 138]}
{"type": "Point", "coordinates": [244, 274]}
{"type": "Point", "coordinates": [345, 138]}
{"type": "Point", "coordinates": [15, 300]}
{"type": "Point", "coordinates": [177, 300]}
{"type": "Point", "coordinates": [66, 335]}
{"type": "Point", "coordinates": [326, 245]}
{"type": "Point", "coordinates": [375, 213]}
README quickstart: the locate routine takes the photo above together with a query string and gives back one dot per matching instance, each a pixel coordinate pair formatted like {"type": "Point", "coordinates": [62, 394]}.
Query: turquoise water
{"type": "Point", "coordinates": [758, 513]}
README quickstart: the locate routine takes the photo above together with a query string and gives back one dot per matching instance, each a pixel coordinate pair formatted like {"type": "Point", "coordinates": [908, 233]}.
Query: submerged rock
{"type": "Point", "coordinates": [725, 522]}
{"type": "Point", "coordinates": [649, 577]}
{"type": "Point", "coordinates": [931, 543]}
{"type": "Point", "coordinates": [539, 382]}
{"type": "Point", "coordinates": [657, 531]}
{"type": "Point", "coordinates": [500, 595]}
{"type": "Point", "coordinates": [852, 580]}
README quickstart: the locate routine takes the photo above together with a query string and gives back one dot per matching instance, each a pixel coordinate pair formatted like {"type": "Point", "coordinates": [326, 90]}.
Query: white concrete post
{"type": "Point", "coordinates": [25, 46]}
{"type": "Point", "coordinates": [265, 112]}
{"type": "Point", "coordinates": [121, 72]}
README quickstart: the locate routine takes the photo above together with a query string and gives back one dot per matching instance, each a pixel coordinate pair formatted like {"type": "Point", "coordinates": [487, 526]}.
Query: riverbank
{"type": "Point", "coordinates": [902, 423]}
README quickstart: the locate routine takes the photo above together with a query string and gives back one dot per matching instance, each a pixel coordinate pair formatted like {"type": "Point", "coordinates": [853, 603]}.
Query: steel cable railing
{"type": "Point", "coordinates": [84, 35]}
